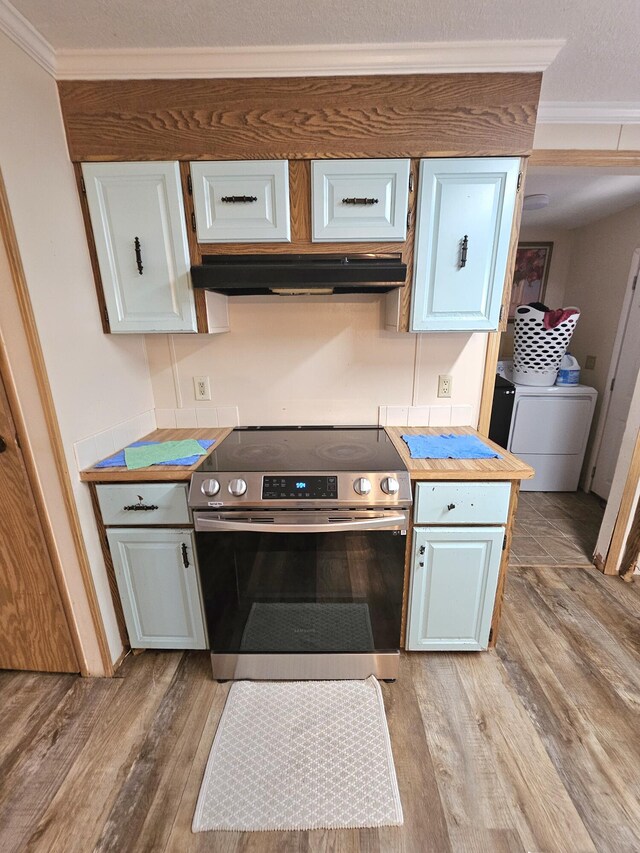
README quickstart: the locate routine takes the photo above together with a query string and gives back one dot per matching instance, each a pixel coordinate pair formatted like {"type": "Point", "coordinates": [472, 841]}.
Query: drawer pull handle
{"type": "Point", "coordinates": [239, 199]}
{"type": "Point", "coordinates": [138, 251]}
{"type": "Point", "coordinates": [464, 248]}
{"type": "Point", "coordinates": [185, 556]}
{"type": "Point", "coordinates": [359, 200]}
{"type": "Point", "coordinates": [451, 506]}
{"type": "Point", "coordinates": [140, 507]}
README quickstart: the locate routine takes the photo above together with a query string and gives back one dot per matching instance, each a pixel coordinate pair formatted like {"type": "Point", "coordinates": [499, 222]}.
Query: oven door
{"type": "Point", "coordinates": [302, 582]}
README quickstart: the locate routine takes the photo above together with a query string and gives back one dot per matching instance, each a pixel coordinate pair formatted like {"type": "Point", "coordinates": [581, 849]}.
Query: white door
{"type": "Point", "coordinates": [159, 587]}
{"type": "Point", "coordinates": [138, 222]}
{"type": "Point", "coordinates": [465, 214]}
{"type": "Point", "coordinates": [624, 379]}
{"type": "Point", "coordinates": [454, 575]}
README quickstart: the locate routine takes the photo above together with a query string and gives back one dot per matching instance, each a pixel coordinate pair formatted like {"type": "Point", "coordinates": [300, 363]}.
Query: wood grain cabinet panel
{"type": "Point", "coordinates": [465, 213]}
{"type": "Point", "coordinates": [360, 200]}
{"type": "Point", "coordinates": [241, 201]}
{"type": "Point", "coordinates": [138, 223]}
{"type": "Point", "coordinates": [159, 587]}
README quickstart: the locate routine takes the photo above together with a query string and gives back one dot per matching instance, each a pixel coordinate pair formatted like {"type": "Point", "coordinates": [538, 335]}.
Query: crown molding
{"type": "Point", "coordinates": [308, 60]}
{"type": "Point", "coordinates": [589, 112]}
{"type": "Point", "coordinates": [25, 35]}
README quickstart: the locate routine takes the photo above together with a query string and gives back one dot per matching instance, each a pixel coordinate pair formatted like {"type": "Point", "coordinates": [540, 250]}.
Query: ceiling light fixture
{"type": "Point", "coordinates": [535, 202]}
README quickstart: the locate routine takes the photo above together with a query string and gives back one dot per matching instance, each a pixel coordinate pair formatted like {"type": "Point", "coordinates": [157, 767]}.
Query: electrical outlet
{"type": "Point", "coordinates": [590, 362]}
{"type": "Point", "coordinates": [444, 385]}
{"type": "Point", "coordinates": [202, 388]}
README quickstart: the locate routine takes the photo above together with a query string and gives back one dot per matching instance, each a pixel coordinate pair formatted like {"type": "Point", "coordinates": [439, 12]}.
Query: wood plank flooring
{"type": "Point", "coordinates": [532, 747]}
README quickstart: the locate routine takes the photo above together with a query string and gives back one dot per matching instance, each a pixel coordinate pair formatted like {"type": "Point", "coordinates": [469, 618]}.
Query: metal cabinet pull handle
{"type": "Point", "coordinates": [139, 508]}
{"type": "Point", "coordinates": [464, 247]}
{"type": "Point", "coordinates": [185, 556]}
{"type": "Point", "coordinates": [235, 199]}
{"type": "Point", "coordinates": [359, 200]}
{"type": "Point", "coordinates": [3, 445]}
{"type": "Point", "coordinates": [138, 251]}
{"type": "Point", "coordinates": [451, 506]}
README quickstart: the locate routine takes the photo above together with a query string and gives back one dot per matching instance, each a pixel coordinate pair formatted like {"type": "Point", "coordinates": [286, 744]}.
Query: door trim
{"type": "Point", "coordinates": [8, 237]}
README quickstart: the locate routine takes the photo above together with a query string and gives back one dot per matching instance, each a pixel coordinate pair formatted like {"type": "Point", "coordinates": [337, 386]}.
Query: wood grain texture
{"type": "Point", "coordinates": [202, 320]}
{"type": "Point", "coordinates": [488, 382]}
{"type": "Point", "coordinates": [111, 573]}
{"type": "Point", "coordinates": [509, 467]}
{"type": "Point", "coordinates": [157, 473]}
{"type": "Point", "coordinates": [531, 747]}
{"type": "Point", "coordinates": [631, 556]}
{"type": "Point", "coordinates": [628, 504]}
{"type": "Point", "coordinates": [8, 236]}
{"type": "Point", "coordinates": [583, 157]}
{"type": "Point", "coordinates": [504, 564]}
{"type": "Point", "coordinates": [95, 264]}
{"type": "Point", "coordinates": [414, 115]}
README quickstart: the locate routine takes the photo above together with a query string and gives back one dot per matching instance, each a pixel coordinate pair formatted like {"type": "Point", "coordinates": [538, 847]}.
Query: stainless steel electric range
{"type": "Point", "coordinates": [300, 537]}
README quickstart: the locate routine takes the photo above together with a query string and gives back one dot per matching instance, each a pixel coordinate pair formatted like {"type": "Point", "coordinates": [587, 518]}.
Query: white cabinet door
{"type": "Point", "coordinates": [359, 200]}
{"type": "Point", "coordinates": [454, 575]}
{"type": "Point", "coordinates": [241, 201]}
{"type": "Point", "coordinates": [159, 587]}
{"type": "Point", "coordinates": [465, 214]}
{"type": "Point", "coordinates": [138, 222]}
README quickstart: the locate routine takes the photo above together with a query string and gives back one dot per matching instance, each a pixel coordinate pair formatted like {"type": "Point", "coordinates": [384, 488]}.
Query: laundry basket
{"type": "Point", "coordinates": [537, 352]}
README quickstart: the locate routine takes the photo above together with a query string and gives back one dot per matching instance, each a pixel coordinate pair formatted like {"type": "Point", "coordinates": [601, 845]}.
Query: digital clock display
{"type": "Point", "coordinates": [282, 488]}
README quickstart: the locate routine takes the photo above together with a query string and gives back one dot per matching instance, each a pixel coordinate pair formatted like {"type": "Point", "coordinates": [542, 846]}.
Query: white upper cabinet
{"type": "Point", "coordinates": [465, 216]}
{"type": "Point", "coordinates": [359, 200]}
{"type": "Point", "coordinates": [138, 223]}
{"type": "Point", "coordinates": [241, 201]}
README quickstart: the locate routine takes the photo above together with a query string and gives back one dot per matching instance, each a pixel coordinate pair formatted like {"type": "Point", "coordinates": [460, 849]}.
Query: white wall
{"type": "Point", "coordinates": [307, 360]}
{"type": "Point", "coordinates": [97, 380]}
{"type": "Point", "coordinates": [554, 295]}
{"type": "Point", "coordinates": [602, 255]}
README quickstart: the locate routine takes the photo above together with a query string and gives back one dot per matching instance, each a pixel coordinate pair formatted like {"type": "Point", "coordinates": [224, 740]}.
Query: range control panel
{"type": "Point", "coordinates": [300, 487]}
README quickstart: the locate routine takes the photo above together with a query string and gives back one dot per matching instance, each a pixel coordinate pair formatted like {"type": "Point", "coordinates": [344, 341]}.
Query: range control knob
{"type": "Point", "coordinates": [390, 486]}
{"type": "Point", "coordinates": [237, 487]}
{"type": "Point", "coordinates": [362, 486]}
{"type": "Point", "coordinates": [210, 488]}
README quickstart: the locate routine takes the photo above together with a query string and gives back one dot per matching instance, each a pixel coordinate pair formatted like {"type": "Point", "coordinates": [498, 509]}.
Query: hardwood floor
{"type": "Point", "coordinates": [533, 747]}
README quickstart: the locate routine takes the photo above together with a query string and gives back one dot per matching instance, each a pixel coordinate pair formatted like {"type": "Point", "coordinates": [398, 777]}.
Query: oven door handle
{"type": "Point", "coordinates": [391, 522]}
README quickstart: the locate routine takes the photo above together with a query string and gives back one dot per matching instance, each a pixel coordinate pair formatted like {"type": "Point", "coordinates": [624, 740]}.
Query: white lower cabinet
{"type": "Point", "coordinates": [454, 575]}
{"type": "Point", "coordinates": [159, 587]}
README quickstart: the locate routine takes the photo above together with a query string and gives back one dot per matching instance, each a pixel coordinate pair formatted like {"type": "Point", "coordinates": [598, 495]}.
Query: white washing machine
{"type": "Point", "coordinates": [549, 430]}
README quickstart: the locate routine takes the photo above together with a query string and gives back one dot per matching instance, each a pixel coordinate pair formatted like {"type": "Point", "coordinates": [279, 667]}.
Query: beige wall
{"type": "Point", "coordinates": [97, 380]}
{"type": "Point", "coordinates": [554, 296]}
{"type": "Point", "coordinates": [314, 360]}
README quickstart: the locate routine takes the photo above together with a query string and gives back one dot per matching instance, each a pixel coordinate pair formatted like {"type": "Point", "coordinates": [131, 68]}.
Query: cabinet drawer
{"type": "Point", "coordinates": [240, 201]}
{"type": "Point", "coordinates": [360, 200]}
{"type": "Point", "coordinates": [461, 503]}
{"type": "Point", "coordinates": [122, 503]}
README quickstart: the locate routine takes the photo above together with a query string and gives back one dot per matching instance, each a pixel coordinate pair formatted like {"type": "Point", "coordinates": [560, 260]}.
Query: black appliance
{"type": "Point", "coordinates": [504, 396]}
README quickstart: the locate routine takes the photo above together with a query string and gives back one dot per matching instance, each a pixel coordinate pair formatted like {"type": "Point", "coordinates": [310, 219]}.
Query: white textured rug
{"type": "Point", "coordinates": [300, 755]}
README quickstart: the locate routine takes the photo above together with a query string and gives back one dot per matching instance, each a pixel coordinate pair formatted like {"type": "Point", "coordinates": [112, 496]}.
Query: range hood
{"type": "Point", "coordinates": [250, 275]}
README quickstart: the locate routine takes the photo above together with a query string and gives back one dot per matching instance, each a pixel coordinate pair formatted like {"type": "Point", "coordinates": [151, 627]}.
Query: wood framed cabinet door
{"type": "Point", "coordinates": [159, 587]}
{"type": "Point", "coordinates": [463, 233]}
{"type": "Point", "coordinates": [138, 223]}
{"type": "Point", "coordinates": [454, 575]}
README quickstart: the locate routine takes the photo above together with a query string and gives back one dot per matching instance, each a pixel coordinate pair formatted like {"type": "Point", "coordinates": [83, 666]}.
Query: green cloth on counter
{"type": "Point", "coordinates": [163, 451]}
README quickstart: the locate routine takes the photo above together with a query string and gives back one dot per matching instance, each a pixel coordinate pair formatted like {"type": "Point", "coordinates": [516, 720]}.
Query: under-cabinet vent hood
{"type": "Point", "coordinates": [250, 275]}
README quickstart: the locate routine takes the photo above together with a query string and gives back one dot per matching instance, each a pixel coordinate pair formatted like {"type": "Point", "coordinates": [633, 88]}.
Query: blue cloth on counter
{"type": "Point", "coordinates": [118, 460]}
{"type": "Point", "coordinates": [448, 447]}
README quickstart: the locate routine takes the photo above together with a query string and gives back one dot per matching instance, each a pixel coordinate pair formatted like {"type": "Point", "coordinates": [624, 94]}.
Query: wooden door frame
{"type": "Point", "coordinates": [607, 563]}
{"type": "Point", "coordinates": [18, 279]}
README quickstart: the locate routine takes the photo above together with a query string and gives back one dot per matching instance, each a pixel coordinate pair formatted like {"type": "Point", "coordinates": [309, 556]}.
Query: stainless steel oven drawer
{"type": "Point", "coordinates": [143, 503]}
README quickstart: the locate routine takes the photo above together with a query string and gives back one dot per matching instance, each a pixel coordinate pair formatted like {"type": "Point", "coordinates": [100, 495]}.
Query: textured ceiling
{"type": "Point", "coordinates": [580, 196]}
{"type": "Point", "coordinates": [601, 61]}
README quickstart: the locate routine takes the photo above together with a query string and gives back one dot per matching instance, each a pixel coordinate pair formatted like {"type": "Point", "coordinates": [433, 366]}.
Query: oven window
{"type": "Point", "coordinates": [297, 592]}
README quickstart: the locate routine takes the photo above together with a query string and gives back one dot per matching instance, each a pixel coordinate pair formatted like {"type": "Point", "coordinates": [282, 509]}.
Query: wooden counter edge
{"type": "Point", "coordinates": [158, 474]}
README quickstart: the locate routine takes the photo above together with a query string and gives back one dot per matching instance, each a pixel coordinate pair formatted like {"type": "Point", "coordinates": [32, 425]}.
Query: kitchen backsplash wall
{"type": "Point", "coordinates": [314, 360]}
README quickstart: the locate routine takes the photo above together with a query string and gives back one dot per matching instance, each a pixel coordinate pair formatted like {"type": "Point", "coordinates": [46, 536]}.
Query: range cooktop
{"type": "Point", "coordinates": [260, 466]}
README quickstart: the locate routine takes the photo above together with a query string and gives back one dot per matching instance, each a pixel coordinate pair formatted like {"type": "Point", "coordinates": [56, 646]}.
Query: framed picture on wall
{"type": "Point", "coordinates": [530, 274]}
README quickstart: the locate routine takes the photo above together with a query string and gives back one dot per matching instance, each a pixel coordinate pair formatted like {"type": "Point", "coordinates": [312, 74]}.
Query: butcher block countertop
{"type": "Point", "coordinates": [158, 473]}
{"type": "Point", "coordinates": [507, 468]}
